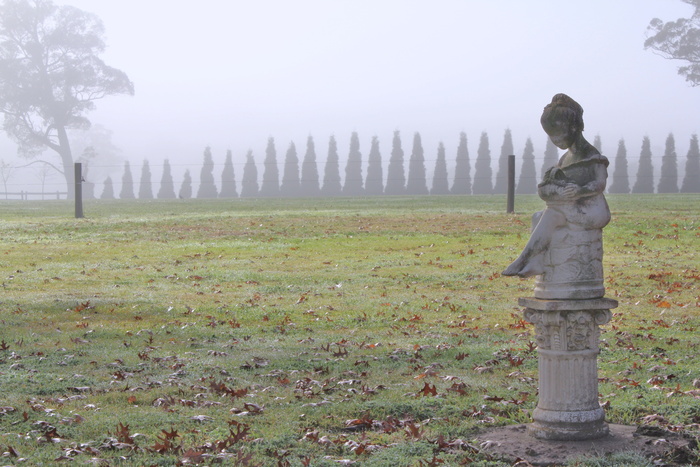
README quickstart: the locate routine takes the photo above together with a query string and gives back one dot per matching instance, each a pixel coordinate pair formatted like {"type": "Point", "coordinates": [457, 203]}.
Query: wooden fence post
{"type": "Point", "coordinates": [510, 209]}
{"type": "Point", "coordinates": [78, 190]}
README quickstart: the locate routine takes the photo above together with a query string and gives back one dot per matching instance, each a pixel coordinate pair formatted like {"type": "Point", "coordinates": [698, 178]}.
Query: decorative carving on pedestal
{"type": "Point", "coordinates": [565, 253]}
{"type": "Point", "coordinates": [567, 330]}
{"type": "Point", "coordinates": [573, 266]}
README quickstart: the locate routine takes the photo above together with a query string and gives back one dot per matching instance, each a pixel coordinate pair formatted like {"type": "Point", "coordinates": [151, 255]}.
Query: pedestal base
{"type": "Point", "coordinates": [568, 426]}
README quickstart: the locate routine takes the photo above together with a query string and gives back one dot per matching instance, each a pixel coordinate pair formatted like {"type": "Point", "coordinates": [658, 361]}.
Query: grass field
{"type": "Point", "coordinates": [311, 332]}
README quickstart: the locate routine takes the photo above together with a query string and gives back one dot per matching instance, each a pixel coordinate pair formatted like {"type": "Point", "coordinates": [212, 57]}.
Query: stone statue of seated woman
{"type": "Point", "coordinates": [565, 249]}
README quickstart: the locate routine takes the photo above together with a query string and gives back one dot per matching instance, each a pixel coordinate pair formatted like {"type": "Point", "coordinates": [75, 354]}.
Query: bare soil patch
{"type": "Point", "coordinates": [514, 444]}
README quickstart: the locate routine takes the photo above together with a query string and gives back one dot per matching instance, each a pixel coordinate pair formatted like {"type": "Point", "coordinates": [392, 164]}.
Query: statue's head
{"type": "Point", "coordinates": [562, 119]}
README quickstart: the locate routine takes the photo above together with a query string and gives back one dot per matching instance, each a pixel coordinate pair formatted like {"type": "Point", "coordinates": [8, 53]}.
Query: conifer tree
{"type": "Point", "coordinates": [146, 185]}
{"type": "Point", "coordinates": [108, 192]}
{"type": "Point", "coordinates": [551, 157]}
{"type": "Point", "coordinates": [331, 173]}
{"type": "Point", "coordinates": [353, 169]}
{"type": "Point", "coordinates": [396, 178]}
{"type": "Point", "coordinates": [416, 184]}
{"type": "Point", "coordinates": [668, 182]}
{"type": "Point", "coordinates": [271, 177]}
{"type": "Point", "coordinates": [249, 183]}
{"type": "Point", "coordinates": [645, 172]}
{"type": "Point", "coordinates": [527, 183]}
{"type": "Point", "coordinates": [310, 184]}
{"type": "Point", "coordinates": [228, 178]}
{"type": "Point", "coordinates": [620, 179]}
{"type": "Point", "coordinates": [501, 185]}
{"type": "Point", "coordinates": [291, 187]}
{"type": "Point", "coordinates": [167, 187]}
{"type": "Point", "coordinates": [462, 184]}
{"type": "Point", "coordinates": [374, 183]}
{"type": "Point", "coordinates": [186, 187]}
{"type": "Point", "coordinates": [88, 185]}
{"type": "Point", "coordinates": [598, 144]}
{"type": "Point", "coordinates": [440, 184]}
{"type": "Point", "coordinates": [482, 174]}
{"type": "Point", "coordinates": [207, 188]}
{"type": "Point", "coordinates": [691, 181]}
{"type": "Point", "coordinates": [127, 191]}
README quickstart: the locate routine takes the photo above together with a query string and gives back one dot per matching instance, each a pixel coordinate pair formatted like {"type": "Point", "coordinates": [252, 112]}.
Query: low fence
{"type": "Point", "coordinates": [26, 195]}
{"type": "Point", "coordinates": [78, 177]}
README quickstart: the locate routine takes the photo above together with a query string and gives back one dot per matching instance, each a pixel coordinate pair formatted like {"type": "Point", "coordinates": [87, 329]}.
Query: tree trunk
{"type": "Point", "coordinates": [67, 161]}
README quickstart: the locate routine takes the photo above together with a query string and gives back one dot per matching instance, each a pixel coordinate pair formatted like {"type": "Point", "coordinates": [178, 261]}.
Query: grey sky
{"type": "Point", "coordinates": [229, 74]}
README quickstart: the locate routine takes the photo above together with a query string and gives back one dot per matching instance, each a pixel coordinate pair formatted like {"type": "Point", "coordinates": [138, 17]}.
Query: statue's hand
{"type": "Point", "coordinates": [570, 191]}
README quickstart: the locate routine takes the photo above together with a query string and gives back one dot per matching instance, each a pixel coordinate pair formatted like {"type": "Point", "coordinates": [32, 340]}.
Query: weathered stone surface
{"type": "Point", "coordinates": [573, 266]}
{"type": "Point", "coordinates": [563, 305]}
{"type": "Point", "coordinates": [567, 330]}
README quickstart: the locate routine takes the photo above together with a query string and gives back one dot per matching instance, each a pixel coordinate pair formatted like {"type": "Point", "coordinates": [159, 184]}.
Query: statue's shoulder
{"type": "Point", "coordinates": [592, 159]}
{"type": "Point", "coordinates": [569, 162]}
{"type": "Point", "coordinates": [599, 158]}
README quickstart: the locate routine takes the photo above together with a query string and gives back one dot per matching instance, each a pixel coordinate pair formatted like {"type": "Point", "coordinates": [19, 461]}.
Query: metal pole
{"type": "Point", "coordinates": [510, 209]}
{"type": "Point", "coordinates": [78, 190]}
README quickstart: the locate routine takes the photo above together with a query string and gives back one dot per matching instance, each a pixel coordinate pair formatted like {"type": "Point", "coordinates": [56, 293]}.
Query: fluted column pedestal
{"type": "Point", "coordinates": [568, 336]}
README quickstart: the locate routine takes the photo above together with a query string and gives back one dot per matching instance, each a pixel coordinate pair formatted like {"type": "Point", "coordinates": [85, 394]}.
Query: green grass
{"type": "Point", "coordinates": [310, 319]}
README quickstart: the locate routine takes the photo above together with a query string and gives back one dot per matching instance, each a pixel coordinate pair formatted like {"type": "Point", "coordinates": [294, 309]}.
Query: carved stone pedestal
{"type": "Point", "coordinates": [567, 333]}
{"type": "Point", "coordinates": [573, 268]}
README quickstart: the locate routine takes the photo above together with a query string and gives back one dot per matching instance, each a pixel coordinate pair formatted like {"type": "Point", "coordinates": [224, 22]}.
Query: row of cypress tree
{"type": "Point", "coordinates": [303, 179]}
{"type": "Point", "coordinates": [668, 179]}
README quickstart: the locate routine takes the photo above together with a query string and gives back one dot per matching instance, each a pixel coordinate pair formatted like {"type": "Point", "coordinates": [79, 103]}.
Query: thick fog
{"type": "Point", "coordinates": [230, 74]}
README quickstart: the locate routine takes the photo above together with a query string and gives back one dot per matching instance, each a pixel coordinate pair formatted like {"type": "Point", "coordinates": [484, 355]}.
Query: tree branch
{"type": "Point", "coordinates": [41, 162]}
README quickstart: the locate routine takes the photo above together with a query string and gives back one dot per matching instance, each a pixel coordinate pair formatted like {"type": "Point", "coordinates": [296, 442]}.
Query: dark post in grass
{"type": "Point", "coordinates": [78, 190]}
{"type": "Point", "coordinates": [510, 208]}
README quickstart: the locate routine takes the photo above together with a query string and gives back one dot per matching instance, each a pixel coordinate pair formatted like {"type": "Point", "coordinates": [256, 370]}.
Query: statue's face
{"type": "Point", "coordinates": [562, 134]}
